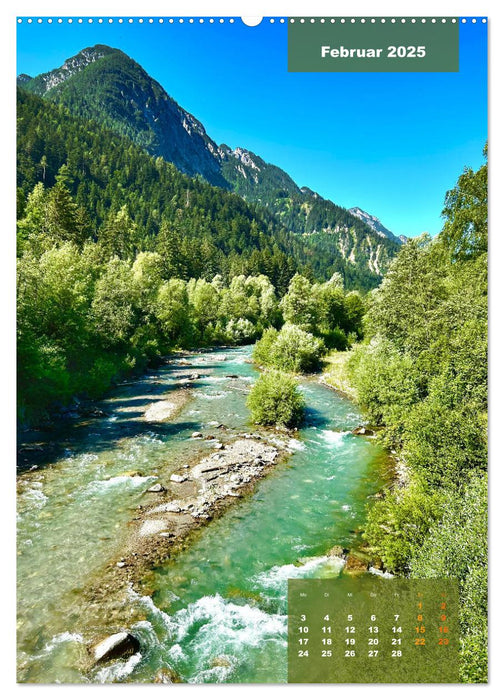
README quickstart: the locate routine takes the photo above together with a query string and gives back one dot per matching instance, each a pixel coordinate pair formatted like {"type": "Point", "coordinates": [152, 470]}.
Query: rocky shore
{"type": "Point", "coordinates": [195, 495]}
{"type": "Point", "coordinates": [173, 511]}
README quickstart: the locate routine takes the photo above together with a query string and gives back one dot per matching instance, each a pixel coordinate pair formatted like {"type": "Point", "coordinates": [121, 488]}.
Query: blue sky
{"type": "Point", "coordinates": [391, 143]}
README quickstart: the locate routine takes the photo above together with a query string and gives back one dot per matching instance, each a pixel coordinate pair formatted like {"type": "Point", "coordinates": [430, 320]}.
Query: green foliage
{"type": "Point", "coordinates": [299, 306]}
{"type": "Point", "coordinates": [385, 383]}
{"type": "Point", "coordinates": [335, 339]}
{"type": "Point", "coordinates": [276, 400]}
{"type": "Point", "coordinates": [89, 312]}
{"type": "Point", "coordinates": [316, 318]}
{"type": "Point", "coordinates": [326, 227]}
{"type": "Point", "coordinates": [173, 312]}
{"type": "Point", "coordinates": [397, 525]}
{"type": "Point", "coordinates": [456, 548]}
{"type": "Point", "coordinates": [465, 231]}
{"type": "Point", "coordinates": [132, 202]}
{"type": "Point", "coordinates": [422, 373]}
{"type": "Point", "coordinates": [83, 321]}
{"type": "Point", "coordinates": [114, 307]}
{"type": "Point", "coordinates": [444, 444]}
{"type": "Point", "coordinates": [291, 349]}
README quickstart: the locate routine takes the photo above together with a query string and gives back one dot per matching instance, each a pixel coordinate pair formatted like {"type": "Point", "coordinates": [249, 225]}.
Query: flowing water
{"type": "Point", "coordinates": [218, 610]}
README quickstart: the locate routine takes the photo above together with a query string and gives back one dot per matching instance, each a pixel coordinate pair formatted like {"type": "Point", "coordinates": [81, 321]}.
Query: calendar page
{"type": "Point", "coordinates": [252, 349]}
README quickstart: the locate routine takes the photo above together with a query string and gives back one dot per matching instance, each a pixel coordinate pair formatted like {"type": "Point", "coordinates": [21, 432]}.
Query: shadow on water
{"type": "Point", "coordinates": [99, 426]}
{"type": "Point", "coordinates": [315, 418]}
{"type": "Point", "coordinates": [83, 439]}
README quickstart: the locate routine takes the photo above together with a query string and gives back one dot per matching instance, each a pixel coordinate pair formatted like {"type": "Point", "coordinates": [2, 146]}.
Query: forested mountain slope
{"type": "Point", "coordinates": [211, 229]}
{"type": "Point", "coordinates": [104, 84]}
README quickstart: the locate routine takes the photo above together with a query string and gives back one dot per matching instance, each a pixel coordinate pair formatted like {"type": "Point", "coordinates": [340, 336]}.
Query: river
{"type": "Point", "coordinates": [216, 612]}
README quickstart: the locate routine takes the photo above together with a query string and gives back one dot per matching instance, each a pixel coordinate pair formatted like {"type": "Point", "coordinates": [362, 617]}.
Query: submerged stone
{"type": "Point", "coordinates": [355, 564]}
{"type": "Point", "coordinates": [166, 676]}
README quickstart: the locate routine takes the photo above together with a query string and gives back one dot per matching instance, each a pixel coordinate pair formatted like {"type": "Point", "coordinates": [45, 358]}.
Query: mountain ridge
{"type": "Point", "coordinates": [375, 223]}
{"type": "Point", "coordinates": [104, 84]}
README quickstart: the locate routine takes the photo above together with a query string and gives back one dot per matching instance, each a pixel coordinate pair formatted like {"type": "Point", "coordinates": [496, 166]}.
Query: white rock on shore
{"type": "Point", "coordinates": [159, 411]}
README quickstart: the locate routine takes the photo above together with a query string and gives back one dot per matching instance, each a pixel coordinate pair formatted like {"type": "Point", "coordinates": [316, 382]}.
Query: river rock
{"type": "Point", "coordinates": [197, 435]}
{"type": "Point", "coordinates": [336, 551]}
{"type": "Point", "coordinates": [151, 527]}
{"type": "Point", "coordinates": [219, 446]}
{"type": "Point", "coordinates": [178, 478]}
{"type": "Point", "coordinates": [157, 488]}
{"type": "Point", "coordinates": [355, 564]}
{"type": "Point", "coordinates": [361, 430]}
{"type": "Point", "coordinates": [166, 676]}
{"type": "Point", "coordinates": [194, 375]}
{"type": "Point", "coordinates": [159, 411]}
{"type": "Point", "coordinates": [116, 646]}
{"type": "Point", "coordinates": [220, 661]}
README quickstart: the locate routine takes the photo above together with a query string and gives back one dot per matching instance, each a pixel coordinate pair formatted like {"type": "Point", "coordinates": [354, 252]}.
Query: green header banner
{"type": "Point", "coordinates": [374, 45]}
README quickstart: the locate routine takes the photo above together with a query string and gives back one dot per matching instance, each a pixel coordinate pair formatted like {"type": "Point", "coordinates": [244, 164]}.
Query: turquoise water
{"type": "Point", "coordinates": [218, 612]}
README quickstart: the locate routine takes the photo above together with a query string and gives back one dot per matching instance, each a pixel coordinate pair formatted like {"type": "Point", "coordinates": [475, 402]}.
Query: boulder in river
{"type": "Point", "coordinates": [115, 647]}
{"type": "Point", "coordinates": [355, 564]}
{"type": "Point", "coordinates": [197, 435]}
{"type": "Point", "coordinates": [157, 488]}
{"type": "Point", "coordinates": [336, 551]}
{"type": "Point", "coordinates": [220, 661]}
{"type": "Point", "coordinates": [166, 676]}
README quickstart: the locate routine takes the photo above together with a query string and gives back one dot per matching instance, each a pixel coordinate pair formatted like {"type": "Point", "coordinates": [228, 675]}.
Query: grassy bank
{"type": "Point", "coordinates": [336, 373]}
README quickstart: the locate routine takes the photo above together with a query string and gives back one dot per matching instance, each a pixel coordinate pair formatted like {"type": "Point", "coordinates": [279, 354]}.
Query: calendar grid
{"type": "Point", "coordinates": [369, 630]}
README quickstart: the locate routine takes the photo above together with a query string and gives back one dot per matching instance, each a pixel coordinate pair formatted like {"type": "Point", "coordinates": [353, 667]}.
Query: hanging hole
{"type": "Point", "coordinates": [252, 21]}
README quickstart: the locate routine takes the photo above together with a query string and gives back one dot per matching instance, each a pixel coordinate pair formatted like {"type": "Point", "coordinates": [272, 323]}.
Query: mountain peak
{"type": "Point", "coordinates": [105, 84]}
{"type": "Point", "coordinates": [23, 78]}
{"type": "Point", "coordinates": [47, 81]}
{"type": "Point", "coordinates": [375, 223]}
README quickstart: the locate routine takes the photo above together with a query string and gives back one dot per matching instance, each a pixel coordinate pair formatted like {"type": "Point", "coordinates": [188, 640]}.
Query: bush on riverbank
{"type": "Point", "coordinates": [276, 400]}
{"type": "Point", "coordinates": [456, 547]}
{"type": "Point", "coordinates": [291, 349]}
